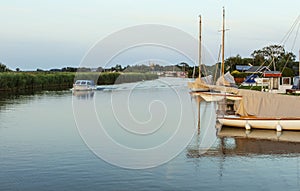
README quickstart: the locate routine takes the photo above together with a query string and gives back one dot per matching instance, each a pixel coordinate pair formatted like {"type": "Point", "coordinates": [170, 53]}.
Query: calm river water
{"type": "Point", "coordinates": [49, 141]}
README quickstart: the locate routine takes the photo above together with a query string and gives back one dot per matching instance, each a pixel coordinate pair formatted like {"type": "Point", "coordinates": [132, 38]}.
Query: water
{"type": "Point", "coordinates": [42, 149]}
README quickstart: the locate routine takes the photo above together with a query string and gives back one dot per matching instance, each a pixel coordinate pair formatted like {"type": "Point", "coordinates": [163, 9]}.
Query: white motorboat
{"type": "Point", "coordinates": [84, 85]}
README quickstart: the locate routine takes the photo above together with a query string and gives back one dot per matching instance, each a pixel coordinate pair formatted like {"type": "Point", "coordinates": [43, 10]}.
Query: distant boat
{"type": "Point", "coordinates": [84, 85]}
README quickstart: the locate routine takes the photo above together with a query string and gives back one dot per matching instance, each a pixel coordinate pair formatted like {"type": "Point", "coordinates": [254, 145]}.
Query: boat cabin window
{"type": "Point", "coordinates": [84, 82]}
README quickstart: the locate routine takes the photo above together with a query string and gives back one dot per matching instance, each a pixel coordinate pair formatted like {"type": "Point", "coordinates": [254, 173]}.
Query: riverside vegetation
{"type": "Point", "coordinates": [35, 81]}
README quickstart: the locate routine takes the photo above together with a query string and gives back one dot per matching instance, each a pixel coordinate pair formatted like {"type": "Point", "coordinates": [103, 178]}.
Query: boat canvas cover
{"type": "Point", "coordinates": [264, 104]}
{"type": "Point", "coordinates": [207, 79]}
{"type": "Point", "coordinates": [226, 80]}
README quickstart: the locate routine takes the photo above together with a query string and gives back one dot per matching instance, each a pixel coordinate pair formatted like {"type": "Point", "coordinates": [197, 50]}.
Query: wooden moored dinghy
{"type": "Point", "coordinates": [265, 111]}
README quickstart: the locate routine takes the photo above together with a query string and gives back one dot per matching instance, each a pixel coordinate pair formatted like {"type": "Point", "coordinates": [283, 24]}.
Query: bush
{"type": "Point", "coordinates": [238, 74]}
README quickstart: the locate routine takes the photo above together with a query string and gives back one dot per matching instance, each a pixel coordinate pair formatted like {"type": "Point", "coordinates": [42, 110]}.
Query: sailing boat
{"type": "Point", "coordinates": [199, 85]}
{"type": "Point", "coordinates": [264, 110]}
{"type": "Point", "coordinates": [253, 109]}
{"type": "Point", "coordinates": [218, 91]}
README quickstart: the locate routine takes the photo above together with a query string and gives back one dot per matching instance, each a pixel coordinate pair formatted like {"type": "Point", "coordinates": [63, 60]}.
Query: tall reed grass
{"type": "Point", "coordinates": [14, 81]}
{"type": "Point", "coordinates": [11, 81]}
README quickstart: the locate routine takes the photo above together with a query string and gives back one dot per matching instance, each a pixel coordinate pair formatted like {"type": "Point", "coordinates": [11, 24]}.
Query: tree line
{"type": "Point", "coordinates": [273, 56]}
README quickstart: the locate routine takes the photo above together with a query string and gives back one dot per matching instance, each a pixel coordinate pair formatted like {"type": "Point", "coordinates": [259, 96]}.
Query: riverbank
{"type": "Point", "coordinates": [18, 82]}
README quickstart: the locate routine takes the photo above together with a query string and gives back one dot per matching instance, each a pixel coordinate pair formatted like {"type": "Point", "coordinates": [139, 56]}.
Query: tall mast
{"type": "Point", "coordinates": [223, 43]}
{"type": "Point", "coordinates": [200, 45]}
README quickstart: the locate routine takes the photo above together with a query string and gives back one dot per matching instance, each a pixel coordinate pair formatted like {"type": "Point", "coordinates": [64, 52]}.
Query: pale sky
{"type": "Point", "coordinates": [54, 34]}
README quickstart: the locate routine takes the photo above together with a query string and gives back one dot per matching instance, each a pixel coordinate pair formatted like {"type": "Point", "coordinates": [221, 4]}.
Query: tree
{"type": "Point", "coordinates": [288, 72]}
{"type": "Point", "coordinates": [100, 69]}
{"type": "Point", "coordinates": [274, 56]}
{"type": "Point", "coordinates": [231, 62]}
{"type": "Point", "coordinates": [3, 68]}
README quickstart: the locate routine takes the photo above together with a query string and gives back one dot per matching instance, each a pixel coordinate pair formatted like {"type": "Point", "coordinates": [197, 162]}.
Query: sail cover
{"type": "Point", "coordinates": [208, 79]}
{"type": "Point", "coordinates": [264, 104]}
{"type": "Point", "coordinates": [226, 80]}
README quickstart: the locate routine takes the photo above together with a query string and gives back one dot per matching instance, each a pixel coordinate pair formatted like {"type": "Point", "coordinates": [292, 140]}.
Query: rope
{"type": "Point", "coordinates": [293, 46]}
{"type": "Point", "coordinates": [288, 34]}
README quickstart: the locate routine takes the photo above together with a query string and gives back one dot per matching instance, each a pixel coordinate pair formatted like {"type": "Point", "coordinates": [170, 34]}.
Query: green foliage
{"type": "Point", "coordinates": [288, 72]}
{"type": "Point", "coordinates": [256, 88]}
{"type": "Point", "coordinates": [238, 74]}
{"type": "Point", "coordinates": [134, 77]}
{"type": "Point", "coordinates": [107, 78]}
{"type": "Point", "coordinates": [3, 68]}
{"type": "Point", "coordinates": [13, 81]}
{"type": "Point", "coordinates": [274, 55]}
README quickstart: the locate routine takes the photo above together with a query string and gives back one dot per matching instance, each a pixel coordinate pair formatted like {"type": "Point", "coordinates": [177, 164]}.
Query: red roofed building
{"type": "Point", "coordinates": [272, 74]}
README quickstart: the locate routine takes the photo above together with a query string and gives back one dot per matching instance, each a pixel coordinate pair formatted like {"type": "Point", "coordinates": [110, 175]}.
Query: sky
{"type": "Point", "coordinates": [49, 34]}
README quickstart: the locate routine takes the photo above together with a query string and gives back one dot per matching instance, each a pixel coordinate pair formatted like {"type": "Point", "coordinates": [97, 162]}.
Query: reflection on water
{"type": "Point", "coordinates": [41, 150]}
{"type": "Point", "coordinates": [8, 100]}
{"type": "Point", "coordinates": [237, 141]}
{"type": "Point", "coordinates": [234, 141]}
{"type": "Point", "coordinates": [248, 160]}
{"type": "Point", "coordinates": [260, 142]}
{"type": "Point", "coordinates": [84, 94]}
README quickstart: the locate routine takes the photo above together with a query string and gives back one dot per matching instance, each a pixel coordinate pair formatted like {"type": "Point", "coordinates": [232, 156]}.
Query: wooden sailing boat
{"type": "Point", "coordinates": [218, 92]}
{"type": "Point", "coordinates": [254, 109]}
{"type": "Point", "coordinates": [199, 85]}
{"type": "Point", "coordinates": [264, 110]}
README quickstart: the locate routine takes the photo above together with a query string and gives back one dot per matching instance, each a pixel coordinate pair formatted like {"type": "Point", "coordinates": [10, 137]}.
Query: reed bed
{"type": "Point", "coordinates": [16, 81]}
{"type": "Point", "coordinates": [12, 81]}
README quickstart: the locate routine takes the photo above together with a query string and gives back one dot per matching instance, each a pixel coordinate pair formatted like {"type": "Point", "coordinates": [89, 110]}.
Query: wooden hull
{"type": "Point", "coordinates": [198, 86]}
{"type": "Point", "coordinates": [262, 123]}
{"type": "Point", "coordinates": [211, 97]}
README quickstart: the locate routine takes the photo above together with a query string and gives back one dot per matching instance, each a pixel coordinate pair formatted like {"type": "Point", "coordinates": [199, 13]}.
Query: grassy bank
{"type": "Point", "coordinates": [256, 88]}
{"type": "Point", "coordinates": [20, 81]}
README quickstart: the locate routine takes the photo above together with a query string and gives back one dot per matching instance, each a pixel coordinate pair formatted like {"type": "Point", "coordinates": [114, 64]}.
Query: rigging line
{"type": "Point", "coordinates": [293, 46]}
{"type": "Point", "coordinates": [217, 64]}
{"type": "Point", "coordinates": [203, 66]}
{"type": "Point", "coordinates": [256, 71]}
{"type": "Point", "coordinates": [287, 35]}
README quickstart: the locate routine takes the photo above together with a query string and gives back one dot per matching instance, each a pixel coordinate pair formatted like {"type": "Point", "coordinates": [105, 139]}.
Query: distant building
{"type": "Point", "coordinates": [252, 69]}
{"type": "Point", "coordinates": [272, 74]}
{"type": "Point", "coordinates": [242, 68]}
